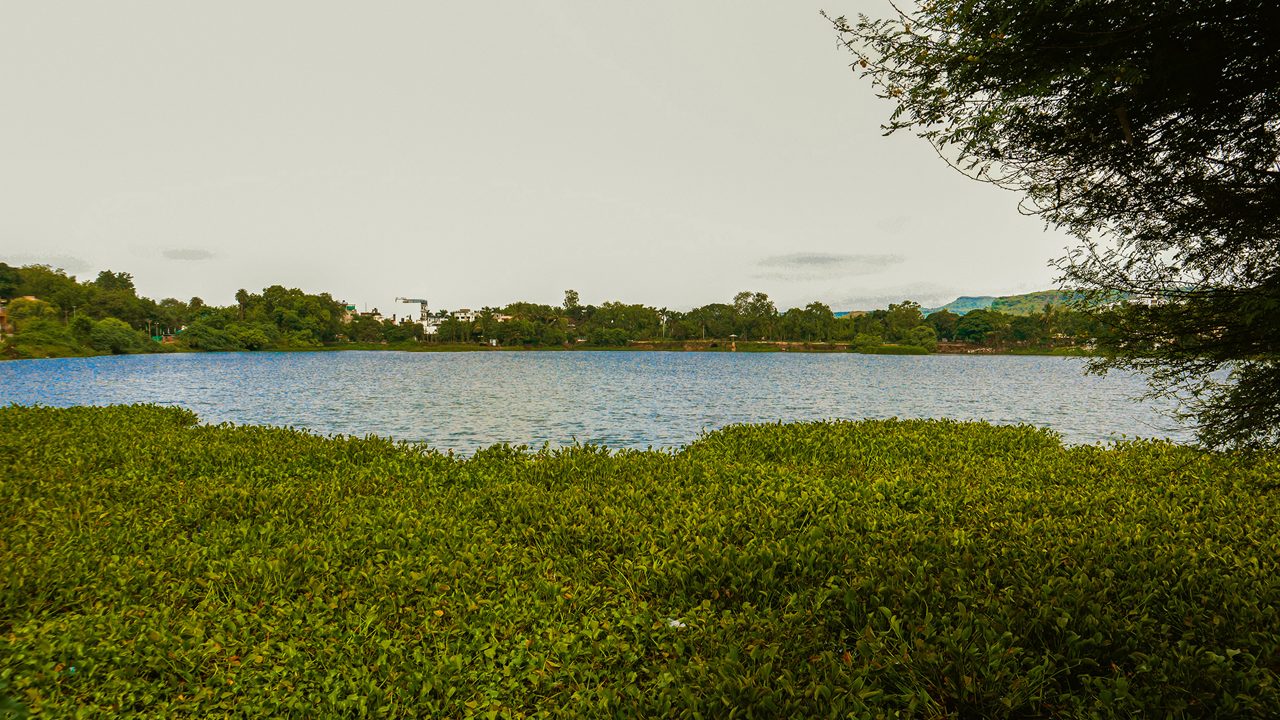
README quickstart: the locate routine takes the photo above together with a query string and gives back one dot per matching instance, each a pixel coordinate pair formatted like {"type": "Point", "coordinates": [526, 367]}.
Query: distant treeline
{"type": "Point", "coordinates": [52, 314]}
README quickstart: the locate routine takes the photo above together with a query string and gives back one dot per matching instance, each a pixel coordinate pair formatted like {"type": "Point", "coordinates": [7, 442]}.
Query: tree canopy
{"type": "Point", "coordinates": [67, 317]}
{"type": "Point", "coordinates": [1149, 130]}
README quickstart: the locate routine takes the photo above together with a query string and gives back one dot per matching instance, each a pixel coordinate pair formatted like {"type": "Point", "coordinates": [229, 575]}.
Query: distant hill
{"type": "Point", "coordinates": [1033, 302]}
{"type": "Point", "coordinates": [964, 304]}
{"type": "Point", "coordinates": [1025, 304]}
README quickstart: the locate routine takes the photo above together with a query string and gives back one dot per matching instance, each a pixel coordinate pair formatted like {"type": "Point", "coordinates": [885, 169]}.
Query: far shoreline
{"type": "Point", "coordinates": [694, 346]}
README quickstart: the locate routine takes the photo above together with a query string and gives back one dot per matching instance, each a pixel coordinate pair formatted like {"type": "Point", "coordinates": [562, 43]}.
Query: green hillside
{"type": "Point", "coordinates": [1024, 304]}
{"type": "Point", "coordinates": [1032, 302]}
{"type": "Point", "coordinates": [964, 304]}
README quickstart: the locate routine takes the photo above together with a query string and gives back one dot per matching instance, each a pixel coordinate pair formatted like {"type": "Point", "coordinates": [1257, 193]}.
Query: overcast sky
{"type": "Point", "coordinates": [669, 153]}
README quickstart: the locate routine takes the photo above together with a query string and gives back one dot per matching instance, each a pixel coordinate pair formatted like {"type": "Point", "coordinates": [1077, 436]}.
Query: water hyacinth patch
{"type": "Point", "coordinates": [869, 569]}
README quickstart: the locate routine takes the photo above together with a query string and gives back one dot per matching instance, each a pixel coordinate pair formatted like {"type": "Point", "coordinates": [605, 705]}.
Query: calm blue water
{"type": "Point", "coordinates": [463, 401]}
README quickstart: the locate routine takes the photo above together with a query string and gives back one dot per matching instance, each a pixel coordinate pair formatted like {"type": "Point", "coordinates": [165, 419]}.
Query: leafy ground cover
{"type": "Point", "coordinates": [155, 567]}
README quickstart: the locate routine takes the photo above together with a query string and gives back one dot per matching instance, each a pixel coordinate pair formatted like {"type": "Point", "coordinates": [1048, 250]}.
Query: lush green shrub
{"type": "Point", "coordinates": [115, 336]}
{"type": "Point", "coordinates": [297, 339]}
{"type": "Point", "coordinates": [40, 337]}
{"type": "Point", "coordinates": [252, 336]}
{"type": "Point", "coordinates": [154, 567]}
{"type": "Point", "coordinates": [207, 337]}
{"type": "Point", "coordinates": [866, 343]}
{"type": "Point", "coordinates": [924, 336]}
{"type": "Point", "coordinates": [866, 347]}
{"type": "Point", "coordinates": [609, 337]}
{"type": "Point", "coordinates": [82, 328]}
{"type": "Point", "coordinates": [900, 350]}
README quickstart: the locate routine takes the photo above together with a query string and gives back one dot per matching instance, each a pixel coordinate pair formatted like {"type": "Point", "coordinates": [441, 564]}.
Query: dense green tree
{"type": "Point", "coordinates": [54, 286]}
{"type": "Point", "coordinates": [980, 326]}
{"type": "Point", "coordinates": [10, 281]}
{"type": "Point", "coordinates": [943, 323]}
{"type": "Point", "coordinates": [608, 337]}
{"type": "Point", "coordinates": [517, 331]}
{"type": "Point", "coordinates": [399, 332]}
{"type": "Point", "coordinates": [923, 336]}
{"type": "Point", "coordinates": [243, 300]}
{"type": "Point", "coordinates": [757, 315]}
{"type": "Point", "coordinates": [207, 336]}
{"type": "Point", "coordinates": [820, 321]}
{"type": "Point", "coordinates": [843, 329]}
{"type": "Point", "coordinates": [865, 342]}
{"type": "Point", "coordinates": [635, 321]}
{"type": "Point", "coordinates": [122, 304]}
{"type": "Point", "coordinates": [793, 324]}
{"type": "Point", "coordinates": [115, 336]}
{"type": "Point", "coordinates": [1074, 326]}
{"type": "Point", "coordinates": [716, 320]}
{"type": "Point", "coordinates": [813, 323]}
{"type": "Point", "coordinates": [534, 312]}
{"type": "Point", "coordinates": [901, 319]}
{"type": "Point", "coordinates": [553, 334]}
{"type": "Point", "coordinates": [572, 307]}
{"type": "Point", "coordinates": [1028, 328]}
{"type": "Point", "coordinates": [870, 323]}
{"type": "Point", "coordinates": [173, 314]}
{"type": "Point", "coordinates": [81, 327]}
{"type": "Point", "coordinates": [253, 336]}
{"type": "Point", "coordinates": [364, 328]}
{"type": "Point", "coordinates": [1149, 129]}
{"type": "Point", "coordinates": [115, 281]}
{"type": "Point", "coordinates": [23, 310]}
{"type": "Point", "coordinates": [43, 337]}
{"type": "Point", "coordinates": [453, 330]}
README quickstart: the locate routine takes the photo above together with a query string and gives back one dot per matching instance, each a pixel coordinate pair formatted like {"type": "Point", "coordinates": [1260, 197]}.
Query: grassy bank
{"type": "Point", "coordinates": [155, 567]}
{"type": "Point", "coordinates": [1055, 352]}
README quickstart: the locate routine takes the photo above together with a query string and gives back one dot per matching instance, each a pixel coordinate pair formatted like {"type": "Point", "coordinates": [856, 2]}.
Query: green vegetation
{"type": "Point", "coordinates": [1150, 131]}
{"type": "Point", "coordinates": [1035, 302]}
{"type": "Point", "coordinates": [964, 304]}
{"type": "Point", "coordinates": [44, 331]}
{"type": "Point", "coordinates": [52, 314]}
{"type": "Point", "coordinates": [888, 568]}
{"type": "Point", "coordinates": [892, 350]}
{"type": "Point", "coordinates": [55, 315]}
{"type": "Point", "coordinates": [1025, 304]}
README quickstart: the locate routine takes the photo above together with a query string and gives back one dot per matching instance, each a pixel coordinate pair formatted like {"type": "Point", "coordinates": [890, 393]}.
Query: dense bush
{"type": "Point", "coordinates": [609, 337]}
{"type": "Point", "coordinates": [41, 338]}
{"type": "Point", "coordinates": [115, 336]}
{"type": "Point", "coordinates": [923, 336]}
{"type": "Point", "coordinates": [156, 567]}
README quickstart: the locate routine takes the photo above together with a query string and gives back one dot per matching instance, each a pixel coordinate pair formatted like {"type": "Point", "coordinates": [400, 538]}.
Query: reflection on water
{"type": "Point", "coordinates": [463, 401]}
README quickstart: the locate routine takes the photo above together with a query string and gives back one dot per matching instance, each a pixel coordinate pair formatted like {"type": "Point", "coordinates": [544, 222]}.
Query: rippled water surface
{"type": "Point", "coordinates": [463, 401]}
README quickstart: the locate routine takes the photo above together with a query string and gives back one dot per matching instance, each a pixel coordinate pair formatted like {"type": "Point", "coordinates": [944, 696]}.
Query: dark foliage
{"type": "Point", "coordinates": [1149, 129]}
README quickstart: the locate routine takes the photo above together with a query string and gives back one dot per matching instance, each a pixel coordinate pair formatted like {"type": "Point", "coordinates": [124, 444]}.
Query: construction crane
{"type": "Point", "coordinates": [424, 314]}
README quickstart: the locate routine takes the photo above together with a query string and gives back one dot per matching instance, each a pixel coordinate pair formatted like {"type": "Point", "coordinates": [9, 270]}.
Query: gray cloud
{"type": "Point", "coordinates": [187, 254]}
{"type": "Point", "coordinates": [822, 266]}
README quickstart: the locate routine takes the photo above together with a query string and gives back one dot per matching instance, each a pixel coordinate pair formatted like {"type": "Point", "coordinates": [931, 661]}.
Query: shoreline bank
{"type": "Point", "coordinates": [744, 346]}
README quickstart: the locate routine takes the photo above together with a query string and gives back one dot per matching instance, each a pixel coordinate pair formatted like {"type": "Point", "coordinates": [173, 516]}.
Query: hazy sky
{"type": "Point", "coordinates": [670, 153]}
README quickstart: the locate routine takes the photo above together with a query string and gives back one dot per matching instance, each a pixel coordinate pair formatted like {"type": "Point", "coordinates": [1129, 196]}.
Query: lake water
{"type": "Point", "coordinates": [463, 401]}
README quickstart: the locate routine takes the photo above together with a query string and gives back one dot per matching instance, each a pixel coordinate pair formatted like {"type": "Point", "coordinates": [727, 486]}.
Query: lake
{"type": "Point", "coordinates": [464, 401]}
